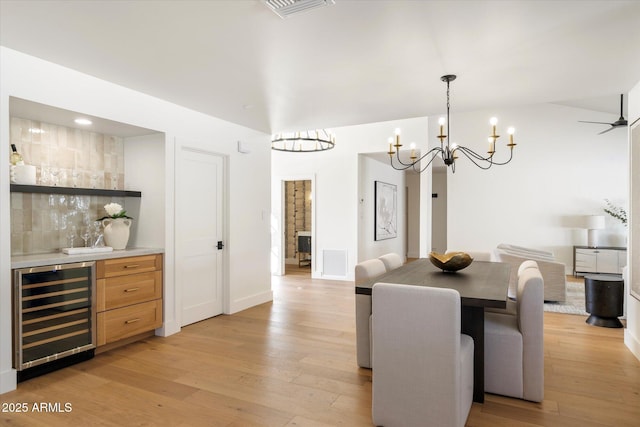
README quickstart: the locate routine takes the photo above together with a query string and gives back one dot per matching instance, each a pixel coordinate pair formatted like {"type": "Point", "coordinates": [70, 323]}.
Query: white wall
{"type": "Point", "coordinates": [632, 332]}
{"type": "Point", "coordinates": [413, 223]}
{"type": "Point", "coordinates": [561, 170]}
{"type": "Point", "coordinates": [145, 172]}
{"type": "Point", "coordinates": [32, 79]}
{"type": "Point", "coordinates": [439, 211]}
{"type": "Point", "coordinates": [370, 171]}
{"type": "Point", "coordinates": [336, 185]}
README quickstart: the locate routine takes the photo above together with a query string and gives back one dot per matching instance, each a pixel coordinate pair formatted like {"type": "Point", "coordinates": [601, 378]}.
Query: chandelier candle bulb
{"type": "Point", "coordinates": [398, 145]}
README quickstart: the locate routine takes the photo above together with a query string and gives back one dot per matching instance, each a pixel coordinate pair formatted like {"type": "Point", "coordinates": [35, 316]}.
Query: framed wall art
{"type": "Point", "coordinates": [386, 214]}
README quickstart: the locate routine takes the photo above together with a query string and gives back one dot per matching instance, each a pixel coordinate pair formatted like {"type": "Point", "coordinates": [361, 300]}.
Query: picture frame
{"type": "Point", "coordinates": [386, 211]}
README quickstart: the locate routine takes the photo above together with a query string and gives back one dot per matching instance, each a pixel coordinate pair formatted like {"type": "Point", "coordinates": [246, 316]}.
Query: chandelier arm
{"type": "Point", "coordinates": [418, 160]}
{"type": "Point", "coordinates": [434, 151]}
{"type": "Point", "coordinates": [472, 153]}
{"type": "Point", "coordinates": [505, 162]}
{"type": "Point", "coordinates": [471, 157]}
{"type": "Point", "coordinates": [401, 168]}
{"type": "Point", "coordinates": [408, 165]}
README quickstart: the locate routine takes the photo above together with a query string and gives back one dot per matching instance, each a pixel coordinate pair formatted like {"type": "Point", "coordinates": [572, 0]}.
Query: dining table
{"type": "Point", "coordinates": [481, 285]}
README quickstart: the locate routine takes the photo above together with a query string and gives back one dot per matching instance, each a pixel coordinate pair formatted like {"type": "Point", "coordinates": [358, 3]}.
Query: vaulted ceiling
{"type": "Point", "coordinates": [349, 63]}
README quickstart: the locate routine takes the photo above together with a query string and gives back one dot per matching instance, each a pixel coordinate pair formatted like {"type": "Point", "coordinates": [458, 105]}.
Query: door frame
{"type": "Point", "coordinates": [225, 227]}
{"type": "Point", "coordinates": [279, 249]}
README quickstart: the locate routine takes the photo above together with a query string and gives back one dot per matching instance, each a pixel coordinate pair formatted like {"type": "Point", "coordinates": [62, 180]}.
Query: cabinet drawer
{"type": "Point", "coordinates": [126, 322]}
{"type": "Point", "coordinates": [129, 265]}
{"type": "Point", "coordinates": [121, 291]}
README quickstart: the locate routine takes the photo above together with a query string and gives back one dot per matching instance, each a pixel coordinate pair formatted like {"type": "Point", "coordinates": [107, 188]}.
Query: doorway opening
{"type": "Point", "coordinates": [297, 230]}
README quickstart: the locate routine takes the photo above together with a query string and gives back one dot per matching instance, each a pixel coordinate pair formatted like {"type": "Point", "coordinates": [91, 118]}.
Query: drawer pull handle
{"type": "Point", "coordinates": [132, 321]}
{"type": "Point", "coordinates": [132, 266]}
{"type": "Point", "coordinates": [131, 289]}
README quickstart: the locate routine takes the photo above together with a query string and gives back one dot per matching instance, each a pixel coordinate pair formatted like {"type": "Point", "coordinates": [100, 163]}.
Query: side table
{"type": "Point", "coordinates": [603, 297]}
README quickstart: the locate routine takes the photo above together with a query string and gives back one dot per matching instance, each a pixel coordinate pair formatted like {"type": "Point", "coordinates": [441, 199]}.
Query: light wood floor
{"type": "Point", "coordinates": [292, 363]}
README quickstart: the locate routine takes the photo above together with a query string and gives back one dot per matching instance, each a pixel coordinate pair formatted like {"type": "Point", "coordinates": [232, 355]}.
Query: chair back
{"type": "Point", "coordinates": [527, 264]}
{"type": "Point", "coordinates": [391, 261]}
{"type": "Point", "coordinates": [367, 270]}
{"type": "Point", "coordinates": [530, 311]}
{"type": "Point", "coordinates": [416, 355]}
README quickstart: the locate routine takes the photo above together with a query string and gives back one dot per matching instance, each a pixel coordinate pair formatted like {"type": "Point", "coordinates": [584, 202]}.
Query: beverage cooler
{"type": "Point", "coordinates": [54, 317]}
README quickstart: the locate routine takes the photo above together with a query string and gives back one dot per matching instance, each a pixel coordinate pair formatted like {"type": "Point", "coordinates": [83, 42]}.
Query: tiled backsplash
{"type": "Point", "coordinates": [67, 157]}
{"type": "Point", "coordinates": [70, 157]}
{"type": "Point", "coordinates": [43, 223]}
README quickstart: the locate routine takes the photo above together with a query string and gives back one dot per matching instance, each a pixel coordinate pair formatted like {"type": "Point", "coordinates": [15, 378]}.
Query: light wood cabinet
{"type": "Point", "coordinates": [128, 298]}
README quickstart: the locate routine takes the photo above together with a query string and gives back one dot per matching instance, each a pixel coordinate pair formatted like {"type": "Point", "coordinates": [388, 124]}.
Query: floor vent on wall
{"type": "Point", "coordinates": [334, 262]}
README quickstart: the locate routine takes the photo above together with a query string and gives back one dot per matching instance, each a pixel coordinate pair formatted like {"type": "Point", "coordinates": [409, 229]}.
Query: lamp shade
{"type": "Point", "coordinates": [594, 222]}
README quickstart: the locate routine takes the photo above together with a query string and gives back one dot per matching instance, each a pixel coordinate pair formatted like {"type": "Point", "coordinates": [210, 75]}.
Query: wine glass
{"type": "Point", "coordinates": [71, 235]}
{"type": "Point", "coordinates": [55, 173]}
{"type": "Point", "coordinates": [86, 234]}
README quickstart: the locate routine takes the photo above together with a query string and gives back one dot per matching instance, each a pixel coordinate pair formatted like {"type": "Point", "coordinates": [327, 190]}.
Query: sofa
{"type": "Point", "coordinates": [553, 272]}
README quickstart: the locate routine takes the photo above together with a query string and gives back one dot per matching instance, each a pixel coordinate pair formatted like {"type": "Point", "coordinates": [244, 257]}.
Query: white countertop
{"type": "Point", "coordinates": [37, 260]}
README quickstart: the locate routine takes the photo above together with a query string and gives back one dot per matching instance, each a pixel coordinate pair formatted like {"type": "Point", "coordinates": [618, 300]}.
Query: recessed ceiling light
{"type": "Point", "coordinates": [84, 122]}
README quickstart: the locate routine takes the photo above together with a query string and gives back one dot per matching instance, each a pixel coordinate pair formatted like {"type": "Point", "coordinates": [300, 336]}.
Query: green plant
{"type": "Point", "coordinates": [616, 212]}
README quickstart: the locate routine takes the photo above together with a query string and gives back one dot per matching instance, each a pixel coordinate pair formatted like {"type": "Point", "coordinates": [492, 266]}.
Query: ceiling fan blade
{"type": "Point", "coordinates": [607, 130]}
{"type": "Point", "coordinates": [599, 123]}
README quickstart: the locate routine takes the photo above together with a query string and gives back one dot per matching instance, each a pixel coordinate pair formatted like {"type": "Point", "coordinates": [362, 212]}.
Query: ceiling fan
{"type": "Point", "coordinates": [621, 122]}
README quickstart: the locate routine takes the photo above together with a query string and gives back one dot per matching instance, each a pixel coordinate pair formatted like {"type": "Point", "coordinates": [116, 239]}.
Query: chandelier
{"type": "Point", "coordinates": [303, 142]}
{"type": "Point", "coordinates": [449, 151]}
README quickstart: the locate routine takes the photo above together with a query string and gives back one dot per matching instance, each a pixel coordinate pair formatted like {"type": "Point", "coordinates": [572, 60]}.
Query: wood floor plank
{"type": "Point", "coordinates": [292, 362]}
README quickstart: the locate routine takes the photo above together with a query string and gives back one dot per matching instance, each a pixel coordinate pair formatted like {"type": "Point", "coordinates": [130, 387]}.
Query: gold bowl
{"type": "Point", "coordinates": [451, 261]}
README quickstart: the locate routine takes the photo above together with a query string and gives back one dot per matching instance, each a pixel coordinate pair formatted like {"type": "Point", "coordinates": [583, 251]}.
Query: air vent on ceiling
{"type": "Point", "coordinates": [286, 8]}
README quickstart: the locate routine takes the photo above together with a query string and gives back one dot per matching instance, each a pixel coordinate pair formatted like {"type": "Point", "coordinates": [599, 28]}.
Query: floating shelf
{"type": "Point", "coordinates": [19, 188]}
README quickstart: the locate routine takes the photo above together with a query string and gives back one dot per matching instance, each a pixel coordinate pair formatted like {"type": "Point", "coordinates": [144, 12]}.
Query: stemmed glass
{"type": "Point", "coordinates": [86, 234]}
{"type": "Point", "coordinates": [54, 172]}
{"type": "Point", "coordinates": [71, 235]}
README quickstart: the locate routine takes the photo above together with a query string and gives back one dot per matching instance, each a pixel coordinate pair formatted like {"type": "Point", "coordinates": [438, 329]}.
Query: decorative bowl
{"type": "Point", "coordinates": [451, 261]}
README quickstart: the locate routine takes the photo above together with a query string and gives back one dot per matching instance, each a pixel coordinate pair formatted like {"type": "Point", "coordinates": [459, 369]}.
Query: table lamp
{"type": "Point", "coordinates": [593, 223]}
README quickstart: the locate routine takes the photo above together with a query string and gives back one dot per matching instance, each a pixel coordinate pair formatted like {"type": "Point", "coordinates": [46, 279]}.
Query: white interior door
{"type": "Point", "coordinates": [199, 215]}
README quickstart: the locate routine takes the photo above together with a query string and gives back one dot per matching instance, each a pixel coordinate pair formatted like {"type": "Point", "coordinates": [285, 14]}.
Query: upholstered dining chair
{"type": "Point", "coordinates": [422, 364]}
{"type": "Point", "coordinates": [364, 271]}
{"type": "Point", "coordinates": [513, 343]}
{"type": "Point", "coordinates": [391, 261]}
{"type": "Point", "coordinates": [511, 300]}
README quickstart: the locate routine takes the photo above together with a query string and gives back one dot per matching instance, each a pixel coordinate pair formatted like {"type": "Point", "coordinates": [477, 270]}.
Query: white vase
{"type": "Point", "coordinates": [116, 232]}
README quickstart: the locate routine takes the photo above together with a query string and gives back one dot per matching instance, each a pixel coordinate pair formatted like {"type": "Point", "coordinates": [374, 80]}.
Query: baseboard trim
{"type": "Point", "coordinates": [250, 301]}
{"type": "Point", "coordinates": [632, 343]}
{"type": "Point", "coordinates": [8, 380]}
{"type": "Point", "coordinates": [168, 328]}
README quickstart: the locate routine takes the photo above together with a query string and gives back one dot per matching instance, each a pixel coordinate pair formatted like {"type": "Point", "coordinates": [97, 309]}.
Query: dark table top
{"type": "Point", "coordinates": [481, 284]}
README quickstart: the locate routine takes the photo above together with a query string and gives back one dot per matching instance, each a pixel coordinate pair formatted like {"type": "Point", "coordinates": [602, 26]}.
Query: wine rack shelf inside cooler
{"type": "Point", "coordinates": [55, 317]}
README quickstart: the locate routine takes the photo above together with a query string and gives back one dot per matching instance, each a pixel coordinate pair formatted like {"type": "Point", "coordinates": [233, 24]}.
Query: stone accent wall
{"type": "Point", "coordinates": [66, 157]}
